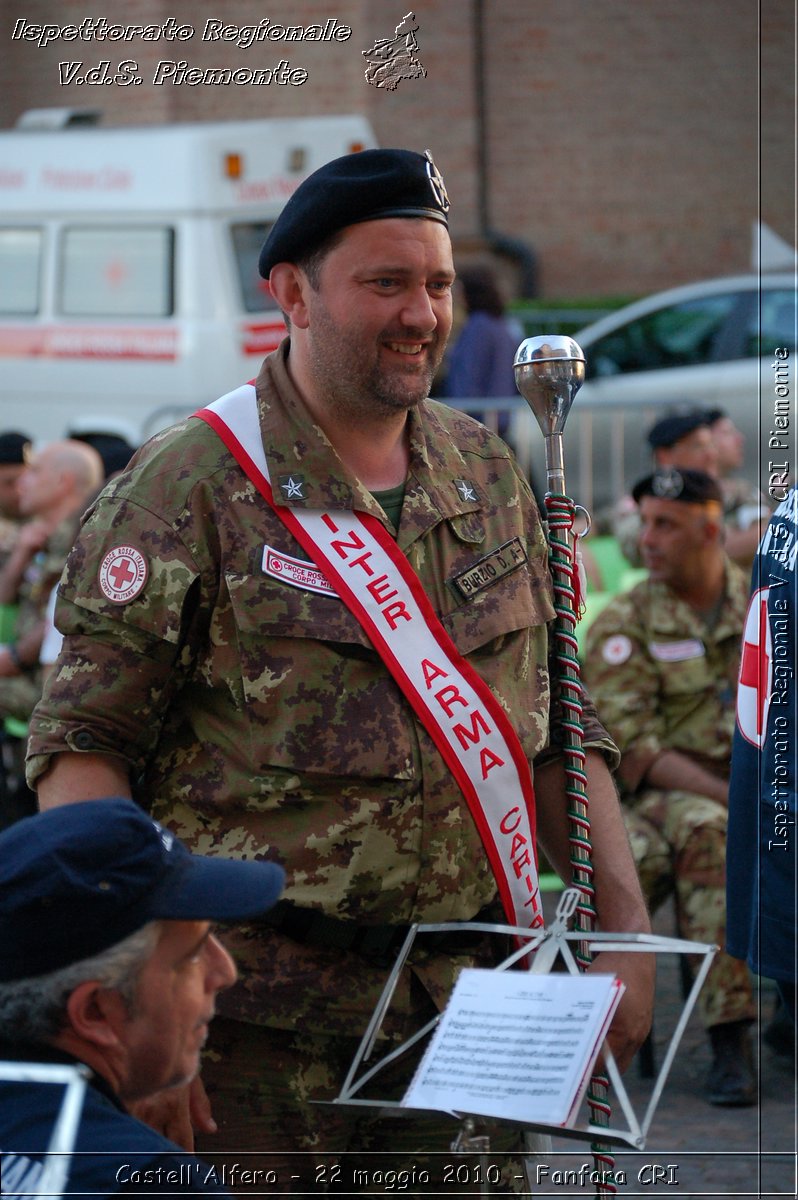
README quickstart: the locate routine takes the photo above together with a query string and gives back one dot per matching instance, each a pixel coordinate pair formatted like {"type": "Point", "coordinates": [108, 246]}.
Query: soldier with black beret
{"type": "Point", "coordinates": [661, 661]}
{"type": "Point", "coordinates": [212, 651]}
{"type": "Point", "coordinates": [684, 439]}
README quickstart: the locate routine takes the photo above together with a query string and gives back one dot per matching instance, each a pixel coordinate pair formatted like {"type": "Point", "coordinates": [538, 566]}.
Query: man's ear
{"type": "Point", "coordinates": [289, 286]}
{"type": "Point", "coordinates": [97, 1013]}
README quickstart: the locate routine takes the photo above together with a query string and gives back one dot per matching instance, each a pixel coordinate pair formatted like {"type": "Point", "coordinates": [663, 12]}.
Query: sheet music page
{"type": "Point", "coordinates": [515, 1045]}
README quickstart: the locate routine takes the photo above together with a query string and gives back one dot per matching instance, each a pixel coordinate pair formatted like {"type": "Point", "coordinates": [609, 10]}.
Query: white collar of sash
{"type": "Point", "coordinates": [466, 722]}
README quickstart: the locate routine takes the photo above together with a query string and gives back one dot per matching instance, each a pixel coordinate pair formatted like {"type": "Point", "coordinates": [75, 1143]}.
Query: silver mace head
{"type": "Point", "coordinates": [549, 371]}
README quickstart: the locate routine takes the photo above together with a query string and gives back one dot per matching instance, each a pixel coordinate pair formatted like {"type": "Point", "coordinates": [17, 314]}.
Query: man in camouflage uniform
{"type": "Point", "coordinates": [205, 656]}
{"type": "Point", "coordinates": [662, 662]}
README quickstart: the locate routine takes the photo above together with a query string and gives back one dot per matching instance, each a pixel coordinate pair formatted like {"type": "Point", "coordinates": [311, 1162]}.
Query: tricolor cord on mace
{"type": "Point", "coordinates": [549, 370]}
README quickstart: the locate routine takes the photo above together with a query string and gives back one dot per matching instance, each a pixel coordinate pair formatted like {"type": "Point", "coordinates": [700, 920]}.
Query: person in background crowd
{"type": "Point", "coordinates": [109, 963]}
{"type": "Point", "coordinates": [13, 449]}
{"type": "Point", "coordinates": [226, 674]}
{"type": "Point", "coordinates": [480, 360]}
{"type": "Point", "coordinates": [761, 895]}
{"type": "Point", "coordinates": [115, 451]}
{"type": "Point", "coordinates": [662, 662]}
{"type": "Point", "coordinates": [53, 490]}
{"type": "Point", "coordinates": [745, 508]}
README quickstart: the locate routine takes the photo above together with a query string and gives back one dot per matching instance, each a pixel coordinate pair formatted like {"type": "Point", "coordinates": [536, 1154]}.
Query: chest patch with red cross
{"type": "Point", "coordinates": [122, 574]}
{"type": "Point", "coordinates": [755, 682]}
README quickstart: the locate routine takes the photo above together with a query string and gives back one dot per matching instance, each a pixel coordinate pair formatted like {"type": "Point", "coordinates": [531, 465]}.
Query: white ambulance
{"type": "Point", "coordinates": [129, 290]}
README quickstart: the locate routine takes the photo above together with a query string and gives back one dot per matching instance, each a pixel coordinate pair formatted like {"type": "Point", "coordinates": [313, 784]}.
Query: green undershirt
{"type": "Point", "coordinates": [391, 501]}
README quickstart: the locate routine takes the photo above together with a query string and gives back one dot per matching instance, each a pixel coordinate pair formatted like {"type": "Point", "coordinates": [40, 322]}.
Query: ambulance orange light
{"type": "Point", "coordinates": [233, 166]}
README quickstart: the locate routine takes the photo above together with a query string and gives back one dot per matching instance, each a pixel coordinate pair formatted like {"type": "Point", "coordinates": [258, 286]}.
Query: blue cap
{"type": "Point", "coordinates": [370, 185]}
{"type": "Point", "coordinates": [77, 879]}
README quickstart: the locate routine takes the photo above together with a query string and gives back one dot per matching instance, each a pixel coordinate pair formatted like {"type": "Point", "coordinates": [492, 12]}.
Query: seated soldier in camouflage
{"type": "Point", "coordinates": [662, 663]}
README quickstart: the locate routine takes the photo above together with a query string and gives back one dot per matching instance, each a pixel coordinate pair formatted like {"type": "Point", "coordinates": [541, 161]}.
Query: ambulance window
{"type": "Point", "coordinates": [20, 257]}
{"type": "Point", "coordinates": [116, 271]}
{"type": "Point", "coordinates": [247, 242]}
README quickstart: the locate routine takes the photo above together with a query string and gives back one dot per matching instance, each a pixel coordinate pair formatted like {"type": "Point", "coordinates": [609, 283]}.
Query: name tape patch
{"type": "Point", "coordinates": [677, 651]}
{"type": "Point", "coordinates": [490, 569]}
{"type": "Point", "coordinates": [296, 572]}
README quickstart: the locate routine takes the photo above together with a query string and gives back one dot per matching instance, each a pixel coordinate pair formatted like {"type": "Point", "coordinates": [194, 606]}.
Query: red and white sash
{"type": "Point", "coordinates": [456, 707]}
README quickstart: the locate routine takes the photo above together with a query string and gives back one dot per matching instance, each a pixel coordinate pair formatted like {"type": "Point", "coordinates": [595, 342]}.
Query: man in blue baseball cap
{"type": "Point", "coordinates": [108, 962]}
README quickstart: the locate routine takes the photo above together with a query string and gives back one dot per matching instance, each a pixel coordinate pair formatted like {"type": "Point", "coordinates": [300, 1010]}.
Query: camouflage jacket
{"type": "Point", "coordinates": [662, 679]}
{"type": "Point", "coordinates": [256, 714]}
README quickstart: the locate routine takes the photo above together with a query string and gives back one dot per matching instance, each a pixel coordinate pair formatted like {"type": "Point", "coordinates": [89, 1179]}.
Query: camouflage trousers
{"type": "Point", "coordinates": [272, 1137]}
{"type": "Point", "coordinates": [678, 841]}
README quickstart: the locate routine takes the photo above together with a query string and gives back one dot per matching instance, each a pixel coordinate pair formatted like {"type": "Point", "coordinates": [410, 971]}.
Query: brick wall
{"type": "Point", "coordinates": [622, 139]}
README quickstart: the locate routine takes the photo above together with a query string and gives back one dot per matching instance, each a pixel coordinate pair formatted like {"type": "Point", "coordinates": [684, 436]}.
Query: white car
{"type": "Point", "coordinates": [723, 343]}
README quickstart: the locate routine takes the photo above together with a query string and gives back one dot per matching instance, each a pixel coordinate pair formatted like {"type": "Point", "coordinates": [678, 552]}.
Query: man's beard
{"type": "Point", "coordinates": [348, 372]}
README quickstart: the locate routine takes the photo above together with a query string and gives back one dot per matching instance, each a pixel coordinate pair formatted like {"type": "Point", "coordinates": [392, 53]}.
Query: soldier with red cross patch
{"type": "Point", "coordinates": [312, 622]}
{"type": "Point", "coordinates": [662, 661]}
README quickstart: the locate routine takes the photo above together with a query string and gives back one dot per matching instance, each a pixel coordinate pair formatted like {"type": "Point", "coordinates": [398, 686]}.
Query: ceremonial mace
{"type": "Point", "coordinates": [549, 371]}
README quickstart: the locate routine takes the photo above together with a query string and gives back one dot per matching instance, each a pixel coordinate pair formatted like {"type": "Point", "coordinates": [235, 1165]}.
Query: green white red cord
{"type": "Point", "coordinates": [560, 511]}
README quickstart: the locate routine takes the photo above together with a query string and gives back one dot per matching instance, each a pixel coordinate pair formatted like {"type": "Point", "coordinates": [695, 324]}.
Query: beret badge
{"type": "Point", "coordinates": [439, 192]}
{"type": "Point", "coordinates": [668, 484]}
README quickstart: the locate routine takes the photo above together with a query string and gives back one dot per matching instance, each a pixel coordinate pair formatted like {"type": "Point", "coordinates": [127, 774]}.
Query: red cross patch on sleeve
{"type": "Point", "coordinates": [122, 574]}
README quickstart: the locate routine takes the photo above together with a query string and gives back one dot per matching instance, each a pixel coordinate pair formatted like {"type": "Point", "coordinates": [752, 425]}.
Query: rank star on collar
{"type": "Point", "coordinates": [465, 489]}
{"type": "Point", "coordinates": [292, 486]}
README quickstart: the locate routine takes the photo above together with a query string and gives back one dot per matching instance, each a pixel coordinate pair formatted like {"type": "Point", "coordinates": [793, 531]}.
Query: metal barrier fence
{"type": "Point", "coordinates": [605, 453]}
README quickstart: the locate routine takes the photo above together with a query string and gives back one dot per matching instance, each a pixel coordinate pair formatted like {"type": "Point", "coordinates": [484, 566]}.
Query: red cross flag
{"type": "Point", "coordinates": [755, 682]}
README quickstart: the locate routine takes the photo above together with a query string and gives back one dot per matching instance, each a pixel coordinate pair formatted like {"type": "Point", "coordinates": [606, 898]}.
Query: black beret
{"type": "Point", "coordinates": [671, 429]}
{"type": "Point", "coordinates": [690, 487]}
{"type": "Point", "coordinates": [365, 186]}
{"type": "Point", "coordinates": [14, 448]}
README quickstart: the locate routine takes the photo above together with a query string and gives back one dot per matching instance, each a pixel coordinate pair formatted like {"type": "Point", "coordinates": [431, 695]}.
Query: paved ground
{"type": "Point", "coordinates": [693, 1148]}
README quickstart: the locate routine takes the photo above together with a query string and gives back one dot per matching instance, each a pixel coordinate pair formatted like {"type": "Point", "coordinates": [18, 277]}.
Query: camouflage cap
{"type": "Point", "coordinates": [365, 186]}
{"type": "Point", "coordinates": [689, 487]}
